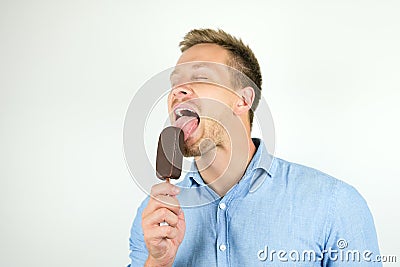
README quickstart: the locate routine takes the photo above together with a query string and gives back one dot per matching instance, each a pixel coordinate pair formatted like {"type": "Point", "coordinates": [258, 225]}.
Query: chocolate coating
{"type": "Point", "coordinates": [169, 153]}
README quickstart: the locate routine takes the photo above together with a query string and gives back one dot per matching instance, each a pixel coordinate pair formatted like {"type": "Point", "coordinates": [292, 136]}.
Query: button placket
{"type": "Point", "coordinates": [222, 220]}
{"type": "Point", "coordinates": [222, 257]}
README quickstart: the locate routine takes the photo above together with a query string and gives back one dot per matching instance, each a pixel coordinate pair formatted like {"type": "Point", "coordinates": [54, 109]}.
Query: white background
{"type": "Point", "coordinates": [68, 70]}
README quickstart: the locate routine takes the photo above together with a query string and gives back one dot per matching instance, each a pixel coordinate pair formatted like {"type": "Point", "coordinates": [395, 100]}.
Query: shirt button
{"type": "Point", "coordinates": [222, 247]}
{"type": "Point", "coordinates": [222, 206]}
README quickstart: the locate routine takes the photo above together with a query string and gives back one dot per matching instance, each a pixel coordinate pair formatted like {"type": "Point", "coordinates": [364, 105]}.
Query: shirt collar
{"type": "Point", "coordinates": [261, 160]}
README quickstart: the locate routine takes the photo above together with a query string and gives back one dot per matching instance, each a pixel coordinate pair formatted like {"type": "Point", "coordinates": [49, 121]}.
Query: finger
{"type": "Point", "coordinates": [181, 225]}
{"type": "Point", "coordinates": [168, 202]}
{"type": "Point", "coordinates": [162, 232]}
{"type": "Point", "coordinates": [164, 189]}
{"type": "Point", "coordinates": [161, 215]}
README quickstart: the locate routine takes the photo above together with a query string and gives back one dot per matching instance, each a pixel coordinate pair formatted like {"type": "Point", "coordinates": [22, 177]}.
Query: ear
{"type": "Point", "coordinates": [245, 101]}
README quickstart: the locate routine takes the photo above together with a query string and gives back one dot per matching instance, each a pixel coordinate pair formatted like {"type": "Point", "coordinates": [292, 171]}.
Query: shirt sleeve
{"type": "Point", "coordinates": [138, 251]}
{"type": "Point", "coordinates": [351, 237]}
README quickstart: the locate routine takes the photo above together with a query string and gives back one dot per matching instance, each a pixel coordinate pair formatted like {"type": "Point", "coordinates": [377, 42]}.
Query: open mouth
{"type": "Point", "coordinates": [187, 119]}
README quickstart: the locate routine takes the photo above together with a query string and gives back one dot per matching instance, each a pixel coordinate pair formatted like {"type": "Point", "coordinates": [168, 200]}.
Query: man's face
{"type": "Point", "coordinates": [198, 107]}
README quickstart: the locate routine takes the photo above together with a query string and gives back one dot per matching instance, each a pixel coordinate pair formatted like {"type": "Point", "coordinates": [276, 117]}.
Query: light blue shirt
{"type": "Point", "coordinates": [279, 214]}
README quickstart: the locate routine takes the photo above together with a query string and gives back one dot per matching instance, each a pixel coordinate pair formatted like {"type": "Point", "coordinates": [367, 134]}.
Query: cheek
{"type": "Point", "coordinates": [220, 95]}
{"type": "Point", "coordinates": [169, 99]}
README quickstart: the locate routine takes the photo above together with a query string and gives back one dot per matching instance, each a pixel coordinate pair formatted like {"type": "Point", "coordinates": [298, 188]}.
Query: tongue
{"type": "Point", "coordinates": [188, 125]}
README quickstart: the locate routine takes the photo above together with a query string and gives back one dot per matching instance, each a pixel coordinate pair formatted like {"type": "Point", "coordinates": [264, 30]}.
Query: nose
{"type": "Point", "coordinates": [181, 92]}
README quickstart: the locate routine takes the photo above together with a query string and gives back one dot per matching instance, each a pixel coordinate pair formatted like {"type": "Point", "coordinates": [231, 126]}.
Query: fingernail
{"type": "Point", "coordinates": [175, 190]}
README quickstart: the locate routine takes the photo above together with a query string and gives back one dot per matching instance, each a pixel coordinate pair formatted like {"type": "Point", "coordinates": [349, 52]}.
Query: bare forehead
{"type": "Point", "coordinates": [205, 52]}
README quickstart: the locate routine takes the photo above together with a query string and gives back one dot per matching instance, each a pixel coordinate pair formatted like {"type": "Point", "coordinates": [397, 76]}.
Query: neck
{"type": "Point", "coordinates": [224, 166]}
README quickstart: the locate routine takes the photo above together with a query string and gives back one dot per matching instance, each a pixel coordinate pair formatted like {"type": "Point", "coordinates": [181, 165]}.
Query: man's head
{"type": "Point", "coordinates": [229, 54]}
{"type": "Point", "coordinates": [239, 56]}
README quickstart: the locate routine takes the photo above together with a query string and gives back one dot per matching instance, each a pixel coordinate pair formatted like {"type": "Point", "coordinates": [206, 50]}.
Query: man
{"type": "Point", "coordinates": [266, 211]}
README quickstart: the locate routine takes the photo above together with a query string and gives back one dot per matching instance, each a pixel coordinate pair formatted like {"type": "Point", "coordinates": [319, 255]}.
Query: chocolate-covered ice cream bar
{"type": "Point", "coordinates": [169, 153]}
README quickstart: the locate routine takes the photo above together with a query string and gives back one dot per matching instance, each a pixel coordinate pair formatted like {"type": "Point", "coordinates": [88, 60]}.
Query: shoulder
{"type": "Point", "coordinates": [301, 176]}
{"type": "Point", "coordinates": [338, 202]}
{"type": "Point", "coordinates": [317, 184]}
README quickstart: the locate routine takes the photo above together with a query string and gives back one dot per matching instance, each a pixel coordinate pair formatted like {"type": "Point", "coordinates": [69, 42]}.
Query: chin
{"type": "Point", "coordinates": [200, 148]}
{"type": "Point", "coordinates": [191, 148]}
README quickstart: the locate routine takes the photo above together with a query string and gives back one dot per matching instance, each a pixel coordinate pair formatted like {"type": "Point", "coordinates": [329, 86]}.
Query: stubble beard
{"type": "Point", "coordinates": [211, 138]}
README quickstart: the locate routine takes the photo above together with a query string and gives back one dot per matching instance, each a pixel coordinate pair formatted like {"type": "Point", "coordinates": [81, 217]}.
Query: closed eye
{"type": "Point", "coordinates": [200, 78]}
